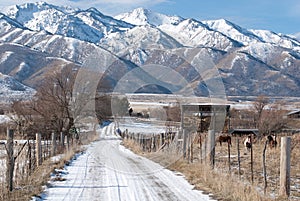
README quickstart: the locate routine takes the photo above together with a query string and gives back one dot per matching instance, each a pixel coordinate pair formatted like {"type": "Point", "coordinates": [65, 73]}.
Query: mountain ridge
{"type": "Point", "coordinates": [140, 37]}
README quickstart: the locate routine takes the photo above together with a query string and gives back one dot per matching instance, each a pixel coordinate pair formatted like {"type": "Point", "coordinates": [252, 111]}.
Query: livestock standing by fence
{"type": "Point", "coordinates": [248, 164]}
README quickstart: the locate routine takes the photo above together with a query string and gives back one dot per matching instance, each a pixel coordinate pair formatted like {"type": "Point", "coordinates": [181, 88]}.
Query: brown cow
{"type": "Point", "coordinates": [224, 138]}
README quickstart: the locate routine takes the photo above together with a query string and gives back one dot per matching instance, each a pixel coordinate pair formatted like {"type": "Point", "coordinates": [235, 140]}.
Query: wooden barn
{"type": "Point", "coordinates": [207, 116]}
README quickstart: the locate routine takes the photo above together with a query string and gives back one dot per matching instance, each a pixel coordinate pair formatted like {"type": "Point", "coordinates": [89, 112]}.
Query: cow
{"type": "Point", "coordinates": [224, 138]}
{"type": "Point", "coordinates": [248, 143]}
{"type": "Point", "coordinates": [271, 140]}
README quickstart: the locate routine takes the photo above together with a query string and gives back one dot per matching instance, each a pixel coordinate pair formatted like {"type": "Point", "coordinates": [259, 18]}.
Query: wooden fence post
{"type": "Point", "coordinates": [53, 139]}
{"type": "Point", "coordinates": [29, 158]}
{"type": "Point", "coordinates": [211, 148]}
{"type": "Point", "coordinates": [184, 142]}
{"type": "Point", "coordinates": [189, 148]}
{"type": "Point", "coordinates": [68, 142]}
{"type": "Point", "coordinates": [160, 141]}
{"type": "Point", "coordinates": [200, 147]}
{"type": "Point", "coordinates": [62, 140]}
{"type": "Point", "coordinates": [191, 140]}
{"type": "Point", "coordinates": [10, 159]}
{"type": "Point", "coordinates": [229, 165]}
{"type": "Point", "coordinates": [38, 149]}
{"type": "Point", "coordinates": [265, 168]}
{"type": "Point", "coordinates": [285, 166]}
{"type": "Point", "coordinates": [239, 156]}
{"type": "Point", "coordinates": [251, 158]}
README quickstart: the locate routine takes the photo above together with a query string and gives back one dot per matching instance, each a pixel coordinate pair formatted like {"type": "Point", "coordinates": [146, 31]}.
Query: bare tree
{"type": "Point", "coordinates": [268, 119]}
{"type": "Point", "coordinates": [22, 117]}
{"type": "Point", "coordinates": [259, 106]}
{"type": "Point", "coordinates": [53, 101]}
{"type": "Point", "coordinates": [272, 120]}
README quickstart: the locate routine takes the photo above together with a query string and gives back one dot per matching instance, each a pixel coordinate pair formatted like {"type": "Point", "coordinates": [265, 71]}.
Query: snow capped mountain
{"type": "Point", "coordinates": [141, 16]}
{"type": "Point", "coordinates": [88, 25]}
{"type": "Point", "coordinates": [37, 37]}
{"type": "Point", "coordinates": [277, 39]}
{"type": "Point", "coordinates": [193, 33]}
{"type": "Point", "coordinates": [252, 37]}
{"type": "Point", "coordinates": [233, 31]}
{"type": "Point", "coordinates": [188, 32]}
{"type": "Point", "coordinates": [140, 37]}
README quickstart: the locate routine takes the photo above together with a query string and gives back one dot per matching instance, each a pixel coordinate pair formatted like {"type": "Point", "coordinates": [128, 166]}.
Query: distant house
{"type": "Point", "coordinates": [294, 114]}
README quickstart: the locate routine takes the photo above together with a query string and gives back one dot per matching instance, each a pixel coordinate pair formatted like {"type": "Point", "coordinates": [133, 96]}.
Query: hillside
{"type": "Point", "coordinates": [37, 37]}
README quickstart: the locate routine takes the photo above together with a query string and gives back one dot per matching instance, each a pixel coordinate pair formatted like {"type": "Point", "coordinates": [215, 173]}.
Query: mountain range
{"type": "Point", "coordinates": [37, 38]}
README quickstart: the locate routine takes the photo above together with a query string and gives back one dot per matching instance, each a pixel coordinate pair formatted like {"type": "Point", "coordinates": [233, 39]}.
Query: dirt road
{"type": "Point", "coordinates": [109, 172]}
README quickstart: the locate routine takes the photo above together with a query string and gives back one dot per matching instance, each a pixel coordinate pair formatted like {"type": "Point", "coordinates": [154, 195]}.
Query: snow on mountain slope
{"type": "Point", "coordinates": [193, 33]}
{"type": "Point", "coordinates": [140, 37]}
{"type": "Point", "coordinates": [251, 37]}
{"type": "Point", "coordinates": [233, 31]}
{"type": "Point", "coordinates": [253, 77]}
{"type": "Point", "coordinates": [11, 89]}
{"type": "Point", "coordinates": [24, 13]}
{"type": "Point", "coordinates": [58, 46]}
{"type": "Point", "coordinates": [9, 83]}
{"type": "Point", "coordinates": [7, 22]}
{"type": "Point", "coordinates": [188, 32]}
{"type": "Point", "coordinates": [24, 63]}
{"type": "Point", "coordinates": [285, 60]}
{"type": "Point", "coordinates": [141, 16]}
{"type": "Point", "coordinates": [277, 39]}
{"type": "Point", "coordinates": [89, 25]}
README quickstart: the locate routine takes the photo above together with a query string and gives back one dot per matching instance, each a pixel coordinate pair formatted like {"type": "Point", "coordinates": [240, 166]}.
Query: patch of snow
{"type": "Point", "coordinates": [4, 119]}
{"type": "Point", "coordinates": [5, 56]}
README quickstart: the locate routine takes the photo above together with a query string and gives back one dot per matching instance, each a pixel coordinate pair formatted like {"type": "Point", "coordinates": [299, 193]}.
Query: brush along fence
{"type": "Point", "coordinates": [20, 158]}
{"type": "Point", "coordinates": [156, 141]}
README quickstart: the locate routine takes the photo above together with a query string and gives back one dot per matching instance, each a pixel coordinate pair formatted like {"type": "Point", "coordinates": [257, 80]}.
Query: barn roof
{"type": "Point", "coordinates": [293, 112]}
{"type": "Point", "coordinates": [244, 131]}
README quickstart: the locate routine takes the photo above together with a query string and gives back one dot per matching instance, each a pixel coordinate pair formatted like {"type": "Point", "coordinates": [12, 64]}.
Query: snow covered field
{"type": "Point", "coordinates": [107, 171]}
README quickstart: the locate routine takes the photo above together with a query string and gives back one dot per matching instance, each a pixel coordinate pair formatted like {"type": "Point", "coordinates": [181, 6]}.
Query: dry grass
{"type": "Point", "coordinates": [272, 166]}
{"type": "Point", "coordinates": [34, 184]}
{"type": "Point", "coordinates": [223, 186]}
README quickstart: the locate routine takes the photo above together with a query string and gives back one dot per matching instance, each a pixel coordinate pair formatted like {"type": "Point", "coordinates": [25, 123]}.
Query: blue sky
{"type": "Point", "coordinates": [282, 16]}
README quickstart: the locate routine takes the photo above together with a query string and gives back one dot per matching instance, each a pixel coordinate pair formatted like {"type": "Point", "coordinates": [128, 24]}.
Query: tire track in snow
{"type": "Point", "coordinates": [78, 174]}
{"type": "Point", "coordinates": [152, 182]}
{"type": "Point", "coordinates": [85, 177]}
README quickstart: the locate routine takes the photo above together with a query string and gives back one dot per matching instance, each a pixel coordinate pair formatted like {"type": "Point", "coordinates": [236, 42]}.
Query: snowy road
{"type": "Point", "coordinates": [109, 172]}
